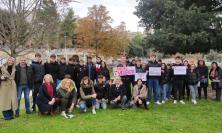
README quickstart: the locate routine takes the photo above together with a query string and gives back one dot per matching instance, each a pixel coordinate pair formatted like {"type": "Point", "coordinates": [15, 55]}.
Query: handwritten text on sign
{"type": "Point", "coordinates": [154, 71]}
{"type": "Point", "coordinates": [123, 71]}
{"type": "Point", "coordinates": [140, 76]}
{"type": "Point", "coordinates": [180, 70]}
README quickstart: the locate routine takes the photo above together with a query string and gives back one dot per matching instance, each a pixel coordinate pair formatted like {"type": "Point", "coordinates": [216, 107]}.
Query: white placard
{"type": "Point", "coordinates": [154, 71]}
{"type": "Point", "coordinates": [179, 70]}
{"type": "Point", "coordinates": [140, 76]}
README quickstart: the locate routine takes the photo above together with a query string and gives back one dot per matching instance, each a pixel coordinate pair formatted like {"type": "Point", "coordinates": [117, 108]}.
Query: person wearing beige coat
{"type": "Point", "coordinates": [8, 92]}
{"type": "Point", "coordinates": [139, 94]}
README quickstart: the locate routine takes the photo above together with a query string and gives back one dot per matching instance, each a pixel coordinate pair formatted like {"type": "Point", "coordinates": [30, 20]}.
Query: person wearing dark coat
{"type": "Point", "coordinates": [81, 72]}
{"type": "Point", "coordinates": [38, 72]}
{"type": "Point", "coordinates": [153, 81]}
{"type": "Point", "coordinates": [91, 69]}
{"type": "Point", "coordinates": [215, 76]}
{"type": "Point", "coordinates": [178, 82]}
{"type": "Point", "coordinates": [23, 79]}
{"type": "Point", "coordinates": [98, 66]}
{"type": "Point", "coordinates": [192, 81]}
{"type": "Point", "coordinates": [105, 72]}
{"type": "Point", "coordinates": [126, 80]}
{"type": "Point", "coordinates": [71, 68]}
{"type": "Point", "coordinates": [52, 68]}
{"type": "Point", "coordinates": [46, 100]}
{"type": "Point", "coordinates": [101, 90]}
{"type": "Point", "coordinates": [118, 94]}
{"type": "Point", "coordinates": [139, 69]}
{"type": "Point", "coordinates": [186, 89]}
{"type": "Point", "coordinates": [62, 69]}
{"type": "Point", "coordinates": [67, 95]}
{"type": "Point", "coordinates": [164, 82]}
{"type": "Point", "coordinates": [203, 71]}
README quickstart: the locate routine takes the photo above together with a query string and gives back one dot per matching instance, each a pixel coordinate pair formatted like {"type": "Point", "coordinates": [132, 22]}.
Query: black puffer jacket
{"type": "Point", "coordinates": [52, 69]}
{"type": "Point", "coordinates": [165, 76]}
{"type": "Point", "coordinates": [62, 71]}
{"type": "Point", "coordinates": [38, 71]}
{"type": "Point", "coordinates": [101, 91]}
{"type": "Point", "coordinates": [192, 77]}
{"type": "Point", "coordinates": [115, 92]}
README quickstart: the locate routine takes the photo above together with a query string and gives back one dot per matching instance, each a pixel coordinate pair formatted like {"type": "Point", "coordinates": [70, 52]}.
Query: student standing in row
{"type": "Point", "coordinates": [23, 78]}
{"type": "Point", "coordinates": [38, 72]}
{"type": "Point", "coordinates": [203, 71]}
{"type": "Point", "coordinates": [8, 93]}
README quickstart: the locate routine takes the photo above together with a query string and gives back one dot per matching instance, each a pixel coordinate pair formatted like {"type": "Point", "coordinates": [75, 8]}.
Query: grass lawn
{"type": "Point", "coordinates": [206, 117]}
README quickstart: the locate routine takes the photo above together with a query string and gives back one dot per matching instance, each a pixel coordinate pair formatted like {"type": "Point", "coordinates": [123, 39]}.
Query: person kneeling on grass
{"type": "Point", "coordinates": [193, 79]}
{"type": "Point", "coordinates": [139, 94]}
{"type": "Point", "coordinates": [88, 95]}
{"type": "Point", "coordinates": [67, 95]}
{"type": "Point", "coordinates": [46, 100]}
{"type": "Point", "coordinates": [101, 91]}
{"type": "Point", "coordinates": [118, 94]}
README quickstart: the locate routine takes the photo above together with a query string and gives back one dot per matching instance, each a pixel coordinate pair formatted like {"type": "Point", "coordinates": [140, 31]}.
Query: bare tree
{"type": "Point", "coordinates": [20, 29]}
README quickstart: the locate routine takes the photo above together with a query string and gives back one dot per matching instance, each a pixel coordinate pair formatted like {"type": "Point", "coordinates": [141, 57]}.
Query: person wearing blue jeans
{"type": "Point", "coordinates": [23, 79]}
{"type": "Point", "coordinates": [153, 87]}
{"type": "Point", "coordinates": [88, 95]}
{"type": "Point", "coordinates": [153, 81]}
{"type": "Point", "coordinates": [26, 90]}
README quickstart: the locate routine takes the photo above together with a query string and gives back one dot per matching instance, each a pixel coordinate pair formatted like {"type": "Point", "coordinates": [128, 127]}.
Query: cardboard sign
{"type": "Point", "coordinates": [140, 76]}
{"type": "Point", "coordinates": [154, 71]}
{"type": "Point", "coordinates": [179, 70]}
{"type": "Point", "coordinates": [123, 71]}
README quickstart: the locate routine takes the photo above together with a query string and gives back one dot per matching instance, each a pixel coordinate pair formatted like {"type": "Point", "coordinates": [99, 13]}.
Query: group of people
{"type": "Point", "coordinates": [59, 87]}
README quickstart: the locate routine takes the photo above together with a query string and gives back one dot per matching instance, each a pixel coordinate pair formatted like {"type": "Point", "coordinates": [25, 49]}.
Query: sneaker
{"type": "Point", "coordinates": [163, 102]}
{"type": "Point", "coordinates": [84, 110]}
{"type": "Point", "coordinates": [16, 115]}
{"type": "Point", "coordinates": [64, 115]}
{"type": "Point", "coordinates": [182, 102]}
{"type": "Point", "coordinates": [158, 103]}
{"type": "Point", "coordinates": [175, 102]}
{"type": "Point", "coordinates": [194, 102]}
{"type": "Point", "coordinates": [147, 103]}
{"type": "Point", "coordinates": [71, 116]}
{"type": "Point", "coordinates": [94, 111]}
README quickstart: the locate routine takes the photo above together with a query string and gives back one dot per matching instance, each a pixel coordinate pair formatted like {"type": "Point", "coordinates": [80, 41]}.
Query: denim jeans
{"type": "Point", "coordinates": [165, 88]}
{"type": "Point", "coordinates": [84, 105]}
{"type": "Point", "coordinates": [101, 104]}
{"type": "Point", "coordinates": [26, 90]}
{"type": "Point", "coordinates": [193, 89]}
{"type": "Point", "coordinates": [153, 86]}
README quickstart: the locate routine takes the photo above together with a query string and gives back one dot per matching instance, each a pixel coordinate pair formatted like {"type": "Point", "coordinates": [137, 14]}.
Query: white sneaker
{"type": "Point", "coordinates": [163, 102]}
{"type": "Point", "coordinates": [71, 116]}
{"type": "Point", "coordinates": [147, 103]}
{"type": "Point", "coordinates": [84, 110]}
{"type": "Point", "coordinates": [182, 102]}
{"type": "Point", "coordinates": [94, 111]}
{"type": "Point", "coordinates": [158, 103]}
{"type": "Point", "coordinates": [175, 102]}
{"type": "Point", "coordinates": [64, 115]}
{"type": "Point", "coordinates": [194, 102]}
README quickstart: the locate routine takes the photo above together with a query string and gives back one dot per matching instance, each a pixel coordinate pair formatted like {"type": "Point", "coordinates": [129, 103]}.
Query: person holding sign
{"type": "Point", "coordinates": [139, 69]}
{"type": "Point", "coordinates": [153, 71]}
{"type": "Point", "coordinates": [192, 81]}
{"type": "Point", "coordinates": [126, 79]}
{"type": "Point", "coordinates": [215, 77]}
{"type": "Point", "coordinates": [139, 94]}
{"type": "Point", "coordinates": [179, 74]}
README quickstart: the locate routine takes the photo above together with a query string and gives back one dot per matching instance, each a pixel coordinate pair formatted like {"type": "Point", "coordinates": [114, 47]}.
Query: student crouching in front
{"type": "Point", "coordinates": [88, 95]}
{"type": "Point", "coordinates": [67, 95]}
{"type": "Point", "coordinates": [46, 100]}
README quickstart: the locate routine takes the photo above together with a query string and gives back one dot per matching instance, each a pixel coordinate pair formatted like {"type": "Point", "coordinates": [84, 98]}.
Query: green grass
{"type": "Point", "coordinates": [206, 117]}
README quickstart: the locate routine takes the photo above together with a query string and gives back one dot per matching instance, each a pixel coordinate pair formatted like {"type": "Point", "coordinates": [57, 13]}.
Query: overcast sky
{"type": "Point", "coordinates": [120, 10]}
